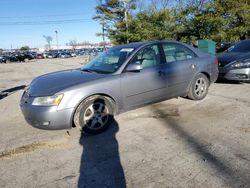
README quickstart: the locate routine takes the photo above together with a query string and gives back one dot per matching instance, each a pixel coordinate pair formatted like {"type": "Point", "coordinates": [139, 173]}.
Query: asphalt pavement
{"type": "Point", "coordinates": [175, 143]}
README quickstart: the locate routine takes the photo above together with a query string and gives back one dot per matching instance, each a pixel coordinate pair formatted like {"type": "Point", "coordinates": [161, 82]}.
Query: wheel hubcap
{"type": "Point", "coordinates": [200, 87]}
{"type": "Point", "coordinates": [96, 116]}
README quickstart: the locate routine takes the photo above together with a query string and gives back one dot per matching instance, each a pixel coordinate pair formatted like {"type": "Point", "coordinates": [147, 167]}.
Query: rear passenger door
{"type": "Point", "coordinates": [179, 67]}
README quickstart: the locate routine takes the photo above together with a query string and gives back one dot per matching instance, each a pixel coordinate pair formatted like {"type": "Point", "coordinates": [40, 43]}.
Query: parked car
{"type": "Point", "coordinates": [28, 56]}
{"type": "Point", "coordinates": [52, 55]}
{"type": "Point", "coordinates": [120, 79]}
{"type": "Point", "coordinates": [73, 54]}
{"type": "Point", "coordinates": [234, 64]}
{"type": "Point", "coordinates": [64, 55]}
{"type": "Point", "coordinates": [223, 46]}
{"type": "Point", "coordinates": [3, 59]}
{"type": "Point", "coordinates": [17, 57]}
{"type": "Point", "coordinates": [39, 56]}
{"type": "Point", "coordinates": [11, 58]}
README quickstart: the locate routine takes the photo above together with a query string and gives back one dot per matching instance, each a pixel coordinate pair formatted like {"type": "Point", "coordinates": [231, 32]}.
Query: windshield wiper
{"type": "Point", "coordinates": [88, 70]}
{"type": "Point", "coordinates": [95, 71]}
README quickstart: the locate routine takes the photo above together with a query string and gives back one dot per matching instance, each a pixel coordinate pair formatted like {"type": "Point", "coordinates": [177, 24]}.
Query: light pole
{"type": "Point", "coordinates": [57, 39]}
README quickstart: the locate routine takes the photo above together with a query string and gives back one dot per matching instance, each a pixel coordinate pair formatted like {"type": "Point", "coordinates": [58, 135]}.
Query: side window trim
{"type": "Point", "coordinates": [162, 54]}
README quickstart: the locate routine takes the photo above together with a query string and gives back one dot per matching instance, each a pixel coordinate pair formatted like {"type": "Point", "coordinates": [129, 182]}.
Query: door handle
{"type": "Point", "coordinates": [193, 66]}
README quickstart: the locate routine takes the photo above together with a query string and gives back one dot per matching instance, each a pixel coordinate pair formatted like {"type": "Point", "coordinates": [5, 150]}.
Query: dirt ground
{"type": "Point", "coordinates": [176, 143]}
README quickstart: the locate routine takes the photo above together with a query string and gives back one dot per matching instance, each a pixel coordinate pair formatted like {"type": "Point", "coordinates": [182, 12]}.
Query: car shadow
{"type": "Point", "coordinates": [100, 162]}
{"type": "Point", "coordinates": [7, 92]}
{"type": "Point", "coordinates": [224, 169]}
{"type": "Point", "coordinates": [224, 81]}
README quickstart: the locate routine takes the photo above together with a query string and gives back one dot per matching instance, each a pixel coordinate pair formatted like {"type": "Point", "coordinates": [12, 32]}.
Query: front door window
{"type": "Point", "coordinates": [147, 57]}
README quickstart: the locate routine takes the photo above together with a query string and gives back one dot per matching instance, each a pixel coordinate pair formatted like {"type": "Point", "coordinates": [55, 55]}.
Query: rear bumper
{"type": "Point", "coordinates": [214, 73]}
{"type": "Point", "coordinates": [48, 118]}
{"type": "Point", "coordinates": [235, 74]}
{"type": "Point", "coordinates": [214, 76]}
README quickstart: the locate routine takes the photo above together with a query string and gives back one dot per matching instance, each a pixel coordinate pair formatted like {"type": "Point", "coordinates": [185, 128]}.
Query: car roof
{"type": "Point", "coordinates": [246, 40]}
{"type": "Point", "coordinates": [132, 45]}
{"type": "Point", "coordinates": [139, 44]}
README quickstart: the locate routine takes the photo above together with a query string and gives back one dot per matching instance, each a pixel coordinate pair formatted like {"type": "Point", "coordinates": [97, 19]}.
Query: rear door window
{"type": "Point", "coordinates": [177, 52]}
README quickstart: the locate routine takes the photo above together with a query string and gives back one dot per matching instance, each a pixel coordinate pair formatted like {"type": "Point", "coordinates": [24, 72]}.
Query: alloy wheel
{"type": "Point", "coordinates": [200, 87]}
{"type": "Point", "coordinates": [96, 116]}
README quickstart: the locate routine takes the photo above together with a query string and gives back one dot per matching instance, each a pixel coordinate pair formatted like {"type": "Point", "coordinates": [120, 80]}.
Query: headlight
{"type": "Point", "coordinates": [48, 101]}
{"type": "Point", "coordinates": [241, 64]}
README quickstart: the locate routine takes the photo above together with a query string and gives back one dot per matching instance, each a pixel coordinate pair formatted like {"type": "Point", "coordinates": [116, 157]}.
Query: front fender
{"type": "Point", "coordinates": [109, 86]}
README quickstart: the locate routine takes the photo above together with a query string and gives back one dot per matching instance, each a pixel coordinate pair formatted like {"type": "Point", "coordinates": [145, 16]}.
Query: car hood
{"type": "Point", "coordinates": [49, 84]}
{"type": "Point", "coordinates": [227, 58]}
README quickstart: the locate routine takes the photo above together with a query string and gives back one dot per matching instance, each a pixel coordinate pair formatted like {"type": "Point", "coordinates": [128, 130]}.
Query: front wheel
{"type": "Point", "coordinates": [94, 115]}
{"type": "Point", "coordinates": [199, 87]}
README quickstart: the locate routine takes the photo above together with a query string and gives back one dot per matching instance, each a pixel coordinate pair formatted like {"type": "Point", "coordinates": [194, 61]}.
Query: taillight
{"type": "Point", "coordinates": [216, 62]}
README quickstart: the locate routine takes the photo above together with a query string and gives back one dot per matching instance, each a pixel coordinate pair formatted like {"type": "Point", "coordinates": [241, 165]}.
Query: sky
{"type": "Point", "coordinates": [24, 22]}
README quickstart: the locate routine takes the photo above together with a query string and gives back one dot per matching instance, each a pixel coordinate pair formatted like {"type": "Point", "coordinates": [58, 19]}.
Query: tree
{"type": "Point", "coordinates": [220, 20]}
{"type": "Point", "coordinates": [25, 48]}
{"type": "Point", "coordinates": [48, 40]}
{"type": "Point", "coordinates": [159, 25]}
{"type": "Point", "coordinates": [194, 23]}
{"type": "Point", "coordinates": [186, 20]}
{"type": "Point", "coordinates": [159, 4]}
{"type": "Point", "coordinates": [103, 34]}
{"type": "Point", "coordinates": [236, 15]}
{"type": "Point", "coordinates": [73, 43]}
{"type": "Point", "coordinates": [111, 15]}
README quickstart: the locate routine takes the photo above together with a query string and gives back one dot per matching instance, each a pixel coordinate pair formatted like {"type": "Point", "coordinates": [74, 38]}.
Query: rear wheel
{"type": "Point", "coordinates": [94, 115]}
{"type": "Point", "coordinates": [199, 87]}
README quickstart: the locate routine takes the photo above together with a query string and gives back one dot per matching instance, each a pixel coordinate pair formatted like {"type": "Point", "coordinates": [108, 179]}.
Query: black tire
{"type": "Point", "coordinates": [88, 114]}
{"type": "Point", "coordinates": [199, 87]}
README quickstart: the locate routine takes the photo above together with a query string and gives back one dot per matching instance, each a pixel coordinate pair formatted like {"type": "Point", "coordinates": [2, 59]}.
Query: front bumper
{"type": "Point", "coordinates": [48, 118]}
{"type": "Point", "coordinates": [242, 74]}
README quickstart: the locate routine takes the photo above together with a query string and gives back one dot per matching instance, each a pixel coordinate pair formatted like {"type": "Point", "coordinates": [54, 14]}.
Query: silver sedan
{"type": "Point", "coordinates": [120, 79]}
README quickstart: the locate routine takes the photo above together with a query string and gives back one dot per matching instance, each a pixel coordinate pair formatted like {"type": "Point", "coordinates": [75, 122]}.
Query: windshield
{"type": "Point", "coordinates": [243, 46]}
{"type": "Point", "coordinates": [109, 61]}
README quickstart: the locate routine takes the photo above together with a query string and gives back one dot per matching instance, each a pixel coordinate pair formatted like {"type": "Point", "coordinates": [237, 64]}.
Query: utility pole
{"type": "Point", "coordinates": [125, 4]}
{"type": "Point", "coordinates": [103, 33]}
{"type": "Point", "coordinates": [57, 39]}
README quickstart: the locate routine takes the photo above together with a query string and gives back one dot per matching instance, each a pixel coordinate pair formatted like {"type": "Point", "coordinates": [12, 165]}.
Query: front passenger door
{"type": "Point", "coordinates": [139, 88]}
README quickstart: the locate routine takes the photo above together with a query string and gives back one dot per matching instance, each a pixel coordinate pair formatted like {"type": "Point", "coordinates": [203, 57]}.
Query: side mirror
{"type": "Point", "coordinates": [133, 68]}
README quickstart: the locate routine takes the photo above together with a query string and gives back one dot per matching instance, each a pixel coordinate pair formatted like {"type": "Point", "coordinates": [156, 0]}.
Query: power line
{"type": "Point", "coordinates": [44, 22]}
{"type": "Point", "coordinates": [44, 16]}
